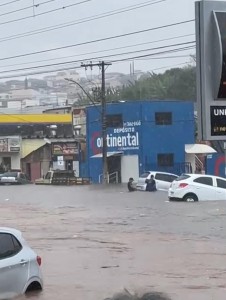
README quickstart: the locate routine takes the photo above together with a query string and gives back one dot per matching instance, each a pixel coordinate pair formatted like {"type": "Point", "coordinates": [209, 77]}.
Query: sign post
{"type": "Point", "coordinates": [211, 69]}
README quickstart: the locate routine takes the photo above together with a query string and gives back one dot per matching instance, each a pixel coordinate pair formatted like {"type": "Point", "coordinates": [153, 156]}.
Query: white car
{"type": "Point", "coordinates": [163, 180]}
{"type": "Point", "coordinates": [198, 187]}
{"type": "Point", "coordinates": [19, 265]}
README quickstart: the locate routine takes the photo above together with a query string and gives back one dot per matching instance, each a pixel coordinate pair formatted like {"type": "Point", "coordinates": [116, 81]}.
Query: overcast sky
{"type": "Point", "coordinates": [158, 14]}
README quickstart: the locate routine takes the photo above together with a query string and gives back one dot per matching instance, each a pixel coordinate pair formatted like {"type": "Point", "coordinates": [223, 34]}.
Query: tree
{"type": "Point", "coordinates": [177, 84]}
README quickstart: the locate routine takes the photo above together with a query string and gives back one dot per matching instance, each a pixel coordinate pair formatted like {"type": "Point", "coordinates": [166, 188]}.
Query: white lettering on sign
{"type": "Point", "coordinates": [125, 141]}
{"type": "Point", "coordinates": [219, 112]}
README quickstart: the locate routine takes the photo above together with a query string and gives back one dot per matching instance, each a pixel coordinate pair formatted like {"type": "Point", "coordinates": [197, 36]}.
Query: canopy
{"type": "Point", "coordinates": [199, 149]}
{"type": "Point", "coordinates": [99, 155]}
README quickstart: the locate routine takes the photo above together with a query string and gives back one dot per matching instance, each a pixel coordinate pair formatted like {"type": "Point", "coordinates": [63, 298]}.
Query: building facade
{"type": "Point", "coordinates": [10, 148]}
{"type": "Point", "coordinates": [148, 135]}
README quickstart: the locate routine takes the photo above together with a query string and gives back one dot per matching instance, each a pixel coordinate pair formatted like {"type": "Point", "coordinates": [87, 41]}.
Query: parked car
{"type": "Point", "coordinates": [19, 265]}
{"type": "Point", "coordinates": [197, 187]}
{"type": "Point", "coordinates": [14, 178]}
{"type": "Point", "coordinates": [162, 179]}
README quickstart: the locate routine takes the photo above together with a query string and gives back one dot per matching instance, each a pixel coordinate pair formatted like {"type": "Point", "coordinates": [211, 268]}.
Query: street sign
{"type": "Point", "coordinates": [211, 69]}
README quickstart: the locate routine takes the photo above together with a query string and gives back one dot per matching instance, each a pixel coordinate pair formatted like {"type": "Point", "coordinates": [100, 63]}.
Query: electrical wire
{"type": "Point", "coordinates": [78, 67]}
{"type": "Point", "coordinates": [96, 41]}
{"type": "Point", "coordinates": [27, 7]}
{"type": "Point", "coordinates": [79, 21]}
{"type": "Point", "coordinates": [94, 52]}
{"type": "Point", "coordinates": [106, 56]}
{"type": "Point", "coordinates": [43, 13]}
{"type": "Point", "coordinates": [8, 3]}
{"type": "Point", "coordinates": [148, 55]}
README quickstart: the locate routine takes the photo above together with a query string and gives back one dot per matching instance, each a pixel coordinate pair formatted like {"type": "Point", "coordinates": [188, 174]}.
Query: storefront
{"type": "Point", "coordinates": [148, 135]}
{"type": "Point", "coordinates": [10, 147]}
{"type": "Point", "coordinates": [65, 155]}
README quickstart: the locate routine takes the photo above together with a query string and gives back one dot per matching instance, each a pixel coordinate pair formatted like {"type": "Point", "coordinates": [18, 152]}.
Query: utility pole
{"type": "Point", "coordinates": [102, 66]}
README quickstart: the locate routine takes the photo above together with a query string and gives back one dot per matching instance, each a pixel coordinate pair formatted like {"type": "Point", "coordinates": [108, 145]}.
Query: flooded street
{"type": "Point", "coordinates": [94, 242]}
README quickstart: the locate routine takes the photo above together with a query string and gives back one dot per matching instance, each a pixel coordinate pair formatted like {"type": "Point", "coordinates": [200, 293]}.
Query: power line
{"type": "Point", "coordinates": [44, 13]}
{"type": "Point", "coordinates": [77, 67]}
{"type": "Point", "coordinates": [96, 41]}
{"type": "Point", "coordinates": [106, 56]}
{"type": "Point", "coordinates": [26, 8]}
{"type": "Point", "coordinates": [94, 52]}
{"type": "Point", "coordinates": [79, 21]}
{"type": "Point", "coordinates": [148, 55]}
{"type": "Point", "coordinates": [8, 3]}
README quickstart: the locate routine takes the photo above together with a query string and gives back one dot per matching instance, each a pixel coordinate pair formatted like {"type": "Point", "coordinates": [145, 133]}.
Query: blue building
{"type": "Point", "coordinates": [147, 135]}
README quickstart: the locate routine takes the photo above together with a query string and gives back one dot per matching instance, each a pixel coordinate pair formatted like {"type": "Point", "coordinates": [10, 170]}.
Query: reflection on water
{"type": "Point", "coordinates": [94, 243]}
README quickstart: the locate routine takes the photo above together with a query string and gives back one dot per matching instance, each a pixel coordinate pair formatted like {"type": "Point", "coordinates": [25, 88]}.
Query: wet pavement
{"type": "Point", "coordinates": [94, 242]}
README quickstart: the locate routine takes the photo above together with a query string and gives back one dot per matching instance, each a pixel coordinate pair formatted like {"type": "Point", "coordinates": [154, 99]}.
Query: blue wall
{"type": "Point", "coordinates": [145, 137]}
{"type": "Point", "coordinates": [215, 165]}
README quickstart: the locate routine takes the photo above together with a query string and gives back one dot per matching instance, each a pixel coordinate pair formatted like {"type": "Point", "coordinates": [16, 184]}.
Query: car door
{"type": "Point", "coordinates": [14, 266]}
{"type": "Point", "coordinates": [204, 188]}
{"type": "Point", "coordinates": [220, 189]}
{"type": "Point", "coordinates": [161, 183]}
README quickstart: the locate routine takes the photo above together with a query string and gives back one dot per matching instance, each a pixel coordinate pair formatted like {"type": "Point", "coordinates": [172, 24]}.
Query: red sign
{"type": "Point", "coordinates": [64, 148]}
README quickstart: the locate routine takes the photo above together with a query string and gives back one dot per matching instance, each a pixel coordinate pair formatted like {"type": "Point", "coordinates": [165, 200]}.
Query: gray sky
{"type": "Point", "coordinates": [162, 13]}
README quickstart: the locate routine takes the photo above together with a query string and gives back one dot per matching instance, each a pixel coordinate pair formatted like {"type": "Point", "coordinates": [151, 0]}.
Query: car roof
{"type": "Point", "coordinates": [12, 231]}
{"type": "Point", "coordinates": [154, 172]}
{"type": "Point", "coordinates": [202, 175]}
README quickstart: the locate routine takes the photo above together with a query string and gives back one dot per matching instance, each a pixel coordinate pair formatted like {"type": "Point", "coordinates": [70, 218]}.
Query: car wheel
{"type": "Point", "coordinates": [190, 198]}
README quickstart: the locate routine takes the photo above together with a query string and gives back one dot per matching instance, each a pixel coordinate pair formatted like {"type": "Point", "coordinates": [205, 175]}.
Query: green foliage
{"type": "Point", "coordinates": [177, 84]}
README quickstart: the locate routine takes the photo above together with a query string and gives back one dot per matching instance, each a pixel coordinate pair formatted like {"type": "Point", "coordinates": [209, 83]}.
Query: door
{"type": "Point", "coordinates": [48, 177]}
{"type": "Point", "coordinates": [204, 188]}
{"type": "Point", "coordinates": [114, 168]}
{"type": "Point", "coordinates": [163, 180]}
{"type": "Point", "coordinates": [14, 266]}
{"type": "Point", "coordinates": [129, 168]}
{"type": "Point", "coordinates": [221, 189]}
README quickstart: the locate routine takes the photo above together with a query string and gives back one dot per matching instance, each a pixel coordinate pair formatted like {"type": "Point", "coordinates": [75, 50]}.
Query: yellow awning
{"type": "Point", "coordinates": [36, 119]}
{"type": "Point", "coordinates": [28, 146]}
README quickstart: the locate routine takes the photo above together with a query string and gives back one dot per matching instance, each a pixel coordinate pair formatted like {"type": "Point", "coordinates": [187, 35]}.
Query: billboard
{"type": "Point", "coordinates": [62, 149]}
{"type": "Point", "coordinates": [211, 68]}
{"type": "Point", "coordinates": [9, 144]}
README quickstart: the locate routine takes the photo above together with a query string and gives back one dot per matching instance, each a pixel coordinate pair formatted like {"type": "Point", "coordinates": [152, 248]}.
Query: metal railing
{"type": "Point", "coordinates": [111, 177]}
{"type": "Point", "coordinates": [198, 164]}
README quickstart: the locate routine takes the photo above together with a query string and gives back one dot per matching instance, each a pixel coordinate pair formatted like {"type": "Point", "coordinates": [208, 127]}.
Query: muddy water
{"type": "Point", "coordinates": [96, 242]}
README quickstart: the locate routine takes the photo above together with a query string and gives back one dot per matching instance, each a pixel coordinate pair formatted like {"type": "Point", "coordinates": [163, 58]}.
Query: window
{"type": "Point", "coordinates": [165, 160]}
{"type": "Point", "coordinates": [9, 245]}
{"type": "Point", "coordinates": [160, 176]}
{"type": "Point", "coordinates": [114, 121]}
{"type": "Point", "coordinates": [163, 118]}
{"type": "Point", "coordinates": [204, 180]}
{"type": "Point", "coordinates": [165, 177]}
{"type": "Point", "coordinates": [48, 175]}
{"type": "Point", "coordinates": [221, 183]}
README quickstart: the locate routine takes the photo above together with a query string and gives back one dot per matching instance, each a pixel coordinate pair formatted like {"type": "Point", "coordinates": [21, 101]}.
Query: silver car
{"type": "Point", "coordinates": [19, 265]}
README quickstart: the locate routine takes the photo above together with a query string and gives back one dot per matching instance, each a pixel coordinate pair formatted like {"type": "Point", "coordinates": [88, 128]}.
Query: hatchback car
{"type": "Point", "coordinates": [197, 187]}
{"type": "Point", "coordinates": [162, 179]}
{"type": "Point", "coordinates": [19, 265]}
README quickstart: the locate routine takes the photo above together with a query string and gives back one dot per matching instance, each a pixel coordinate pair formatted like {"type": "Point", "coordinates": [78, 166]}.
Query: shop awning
{"type": "Point", "coordinates": [30, 145]}
{"type": "Point", "coordinates": [199, 149]}
{"type": "Point", "coordinates": [99, 155]}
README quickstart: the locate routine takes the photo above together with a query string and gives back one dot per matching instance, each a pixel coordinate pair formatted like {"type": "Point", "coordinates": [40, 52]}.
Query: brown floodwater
{"type": "Point", "coordinates": [95, 242]}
